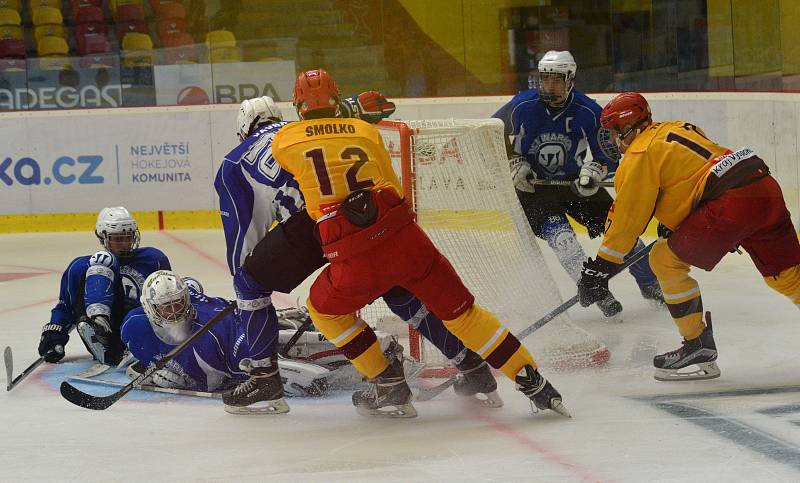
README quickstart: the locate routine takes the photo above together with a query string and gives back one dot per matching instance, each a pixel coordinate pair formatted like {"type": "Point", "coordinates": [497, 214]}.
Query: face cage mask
{"type": "Point", "coordinates": [537, 82]}
{"type": "Point", "coordinates": [172, 322]}
{"type": "Point", "coordinates": [609, 148]}
{"type": "Point", "coordinates": [124, 253]}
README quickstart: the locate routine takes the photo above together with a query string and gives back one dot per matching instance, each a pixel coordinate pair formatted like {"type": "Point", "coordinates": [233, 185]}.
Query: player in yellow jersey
{"type": "Point", "coordinates": [712, 199]}
{"type": "Point", "coordinates": [368, 234]}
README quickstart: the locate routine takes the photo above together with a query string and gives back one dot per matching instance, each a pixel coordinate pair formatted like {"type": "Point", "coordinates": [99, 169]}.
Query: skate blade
{"type": "Point", "coordinates": [486, 400]}
{"type": "Point", "coordinates": [614, 319]}
{"type": "Point", "coordinates": [277, 406]}
{"type": "Point", "coordinates": [401, 411]}
{"type": "Point", "coordinates": [705, 370]}
{"type": "Point", "coordinates": [555, 404]}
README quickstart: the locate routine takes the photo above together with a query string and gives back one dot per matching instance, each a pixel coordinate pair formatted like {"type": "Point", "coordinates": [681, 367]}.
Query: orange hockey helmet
{"type": "Point", "coordinates": [315, 90]}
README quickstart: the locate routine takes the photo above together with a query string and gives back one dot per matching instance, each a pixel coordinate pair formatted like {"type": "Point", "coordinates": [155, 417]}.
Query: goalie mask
{"type": "Point", "coordinates": [117, 231]}
{"type": "Point", "coordinates": [556, 77]}
{"type": "Point", "coordinates": [316, 95]}
{"type": "Point", "coordinates": [165, 299]}
{"type": "Point", "coordinates": [254, 113]}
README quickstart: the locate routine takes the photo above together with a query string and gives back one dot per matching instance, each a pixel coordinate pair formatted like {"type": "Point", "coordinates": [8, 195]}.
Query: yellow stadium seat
{"type": "Point", "coordinates": [47, 16]}
{"type": "Point", "coordinates": [52, 46]}
{"type": "Point", "coordinates": [9, 17]}
{"type": "Point", "coordinates": [224, 55]}
{"type": "Point", "coordinates": [34, 4]}
{"type": "Point", "coordinates": [49, 30]}
{"type": "Point", "coordinates": [53, 53]}
{"type": "Point", "coordinates": [137, 50]}
{"type": "Point", "coordinates": [11, 32]}
{"type": "Point", "coordinates": [12, 4]}
{"type": "Point", "coordinates": [220, 38]}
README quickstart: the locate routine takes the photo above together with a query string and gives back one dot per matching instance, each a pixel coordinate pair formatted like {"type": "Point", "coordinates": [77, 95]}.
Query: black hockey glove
{"type": "Point", "coordinates": [663, 231]}
{"type": "Point", "coordinates": [593, 285]}
{"type": "Point", "coordinates": [51, 345]}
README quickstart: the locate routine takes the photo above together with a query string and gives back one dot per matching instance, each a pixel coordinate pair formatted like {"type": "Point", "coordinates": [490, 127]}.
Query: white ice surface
{"type": "Point", "coordinates": [744, 426]}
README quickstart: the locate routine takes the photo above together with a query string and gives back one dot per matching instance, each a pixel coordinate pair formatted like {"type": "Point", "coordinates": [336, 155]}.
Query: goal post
{"type": "Point", "coordinates": [455, 172]}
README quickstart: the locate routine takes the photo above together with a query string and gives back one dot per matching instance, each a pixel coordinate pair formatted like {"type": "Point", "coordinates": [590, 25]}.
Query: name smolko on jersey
{"type": "Point", "coordinates": [331, 158]}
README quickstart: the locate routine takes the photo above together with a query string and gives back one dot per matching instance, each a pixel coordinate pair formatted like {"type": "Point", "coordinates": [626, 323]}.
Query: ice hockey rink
{"type": "Point", "coordinates": [626, 426]}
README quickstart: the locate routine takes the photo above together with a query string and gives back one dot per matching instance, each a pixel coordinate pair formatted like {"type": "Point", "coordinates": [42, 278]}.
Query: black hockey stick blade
{"type": "Point", "coordinates": [84, 400]}
{"type": "Point", "coordinates": [430, 393]}
{"type": "Point", "coordinates": [295, 337]}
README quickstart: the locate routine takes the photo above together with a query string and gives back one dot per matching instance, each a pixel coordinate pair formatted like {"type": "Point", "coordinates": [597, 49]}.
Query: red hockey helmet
{"type": "Point", "coordinates": [627, 109]}
{"type": "Point", "coordinates": [315, 90]}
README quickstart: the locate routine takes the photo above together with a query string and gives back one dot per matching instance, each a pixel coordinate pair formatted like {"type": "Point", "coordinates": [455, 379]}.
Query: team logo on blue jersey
{"type": "Point", "coordinates": [550, 150]}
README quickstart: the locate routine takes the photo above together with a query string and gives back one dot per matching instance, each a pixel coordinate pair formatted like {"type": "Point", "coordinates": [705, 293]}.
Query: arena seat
{"type": "Point", "coordinates": [137, 50]}
{"type": "Point", "coordinates": [53, 53]}
{"type": "Point", "coordinates": [9, 16]}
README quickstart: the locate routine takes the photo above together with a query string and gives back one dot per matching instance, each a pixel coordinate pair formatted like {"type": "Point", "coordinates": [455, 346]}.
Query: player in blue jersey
{"type": "Point", "coordinates": [98, 290]}
{"type": "Point", "coordinates": [553, 135]}
{"type": "Point", "coordinates": [256, 193]}
{"type": "Point", "coordinates": [221, 359]}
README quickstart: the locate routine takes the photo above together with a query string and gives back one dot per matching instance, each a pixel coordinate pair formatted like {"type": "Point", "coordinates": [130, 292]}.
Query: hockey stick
{"type": "Point", "coordinates": [295, 337]}
{"type": "Point", "coordinates": [9, 361]}
{"type": "Point", "coordinates": [80, 398]}
{"type": "Point", "coordinates": [150, 388]}
{"type": "Point", "coordinates": [564, 182]}
{"type": "Point", "coordinates": [430, 393]}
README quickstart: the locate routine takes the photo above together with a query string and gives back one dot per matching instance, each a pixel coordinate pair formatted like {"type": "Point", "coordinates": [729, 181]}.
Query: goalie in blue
{"type": "Point", "coordinates": [554, 134]}
{"type": "Point", "coordinates": [255, 194]}
{"type": "Point", "coordinates": [98, 290]}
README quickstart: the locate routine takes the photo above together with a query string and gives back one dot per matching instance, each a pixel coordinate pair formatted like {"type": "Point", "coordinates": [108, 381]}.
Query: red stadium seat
{"type": "Point", "coordinates": [154, 4]}
{"type": "Point", "coordinates": [124, 28]}
{"type": "Point", "coordinates": [12, 49]}
{"type": "Point", "coordinates": [92, 43]}
{"type": "Point", "coordinates": [130, 12]}
{"type": "Point", "coordinates": [76, 5]}
{"type": "Point", "coordinates": [89, 14]}
{"type": "Point", "coordinates": [177, 39]}
{"type": "Point", "coordinates": [84, 29]}
{"type": "Point", "coordinates": [171, 10]}
{"type": "Point", "coordinates": [168, 27]}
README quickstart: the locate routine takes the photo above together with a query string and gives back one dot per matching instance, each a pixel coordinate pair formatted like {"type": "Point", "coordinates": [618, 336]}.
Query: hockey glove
{"type": "Point", "coordinates": [523, 175]}
{"type": "Point", "coordinates": [588, 182]}
{"type": "Point", "coordinates": [593, 285]}
{"type": "Point", "coordinates": [51, 345]}
{"type": "Point", "coordinates": [663, 231]}
{"type": "Point", "coordinates": [370, 106]}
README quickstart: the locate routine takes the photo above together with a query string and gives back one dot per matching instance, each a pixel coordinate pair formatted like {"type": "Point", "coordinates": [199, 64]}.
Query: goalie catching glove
{"type": "Point", "coordinates": [523, 175]}
{"type": "Point", "coordinates": [370, 106]}
{"type": "Point", "coordinates": [593, 284]}
{"type": "Point", "coordinates": [589, 178]}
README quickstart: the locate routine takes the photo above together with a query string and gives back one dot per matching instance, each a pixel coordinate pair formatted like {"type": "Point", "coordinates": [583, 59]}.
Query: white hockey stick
{"type": "Point", "coordinates": [149, 387]}
{"type": "Point", "coordinates": [565, 182]}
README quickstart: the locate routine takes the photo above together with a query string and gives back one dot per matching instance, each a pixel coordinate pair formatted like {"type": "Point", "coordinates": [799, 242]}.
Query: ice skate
{"type": "Point", "coordinates": [653, 294]}
{"type": "Point", "coordinates": [611, 308]}
{"type": "Point", "coordinates": [261, 393]}
{"type": "Point", "coordinates": [539, 390]}
{"type": "Point", "coordinates": [700, 352]}
{"type": "Point", "coordinates": [388, 395]}
{"type": "Point", "coordinates": [476, 381]}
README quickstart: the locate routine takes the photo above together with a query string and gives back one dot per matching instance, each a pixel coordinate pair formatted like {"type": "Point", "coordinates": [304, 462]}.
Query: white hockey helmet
{"type": "Point", "coordinates": [558, 65]}
{"type": "Point", "coordinates": [117, 231]}
{"type": "Point", "coordinates": [253, 113]}
{"type": "Point", "coordinates": [165, 299]}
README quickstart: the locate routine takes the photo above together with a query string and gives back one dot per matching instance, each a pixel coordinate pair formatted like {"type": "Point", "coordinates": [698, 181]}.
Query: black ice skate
{"type": "Point", "coordinates": [653, 294]}
{"type": "Point", "coordinates": [700, 352]}
{"type": "Point", "coordinates": [611, 308]}
{"type": "Point", "coordinates": [262, 393]}
{"type": "Point", "coordinates": [388, 395]}
{"type": "Point", "coordinates": [539, 390]}
{"type": "Point", "coordinates": [476, 381]}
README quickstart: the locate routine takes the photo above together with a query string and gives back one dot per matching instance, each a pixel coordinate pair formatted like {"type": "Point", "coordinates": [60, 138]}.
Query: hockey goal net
{"type": "Point", "coordinates": [456, 174]}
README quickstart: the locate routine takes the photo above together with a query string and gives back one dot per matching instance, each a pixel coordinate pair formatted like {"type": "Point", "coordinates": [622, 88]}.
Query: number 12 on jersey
{"type": "Point", "coordinates": [352, 155]}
